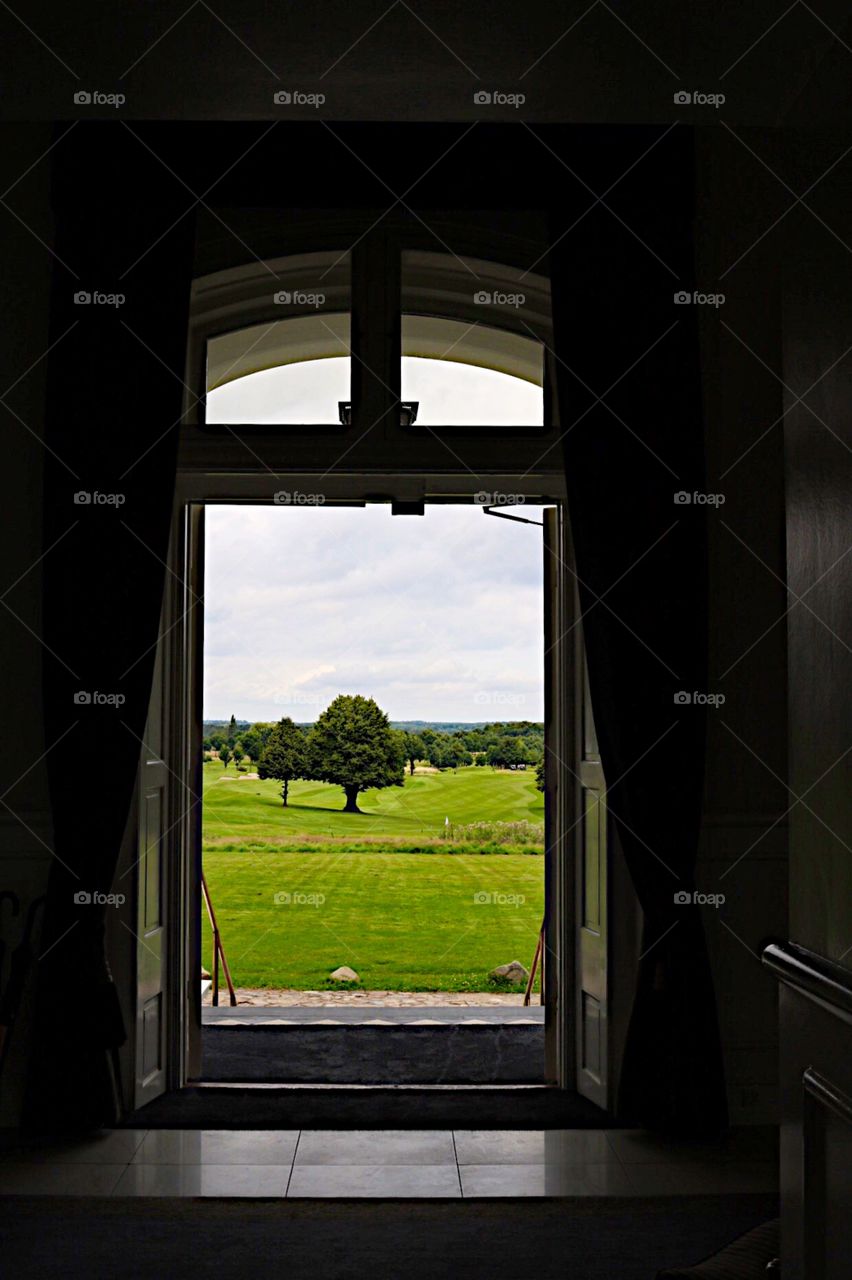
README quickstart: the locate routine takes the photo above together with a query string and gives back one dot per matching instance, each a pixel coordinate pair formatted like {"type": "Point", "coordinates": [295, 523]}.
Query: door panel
{"type": "Point", "coordinates": [576, 838]}
{"type": "Point", "coordinates": [592, 952]}
{"type": "Point", "coordinates": [559, 797]}
{"type": "Point", "coordinates": [151, 914]}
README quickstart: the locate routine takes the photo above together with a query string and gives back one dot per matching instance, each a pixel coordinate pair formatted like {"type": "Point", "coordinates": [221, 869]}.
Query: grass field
{"type": "Point", "coordinates": [235, 810]}
{"type": "Point", "coordinates": [301, 890]}
{"type": "Point", "coordinates": [403, 922]}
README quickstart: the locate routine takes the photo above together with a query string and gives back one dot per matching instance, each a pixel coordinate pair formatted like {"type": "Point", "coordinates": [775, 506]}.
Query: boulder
{"type": "Point", "coordinates": [344, 974]}
{"type": "Point", "coordinates": [514, 972]}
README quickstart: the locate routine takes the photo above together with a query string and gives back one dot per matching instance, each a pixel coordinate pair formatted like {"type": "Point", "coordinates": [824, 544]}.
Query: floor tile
{"type": "Point", "coordinates": [512, 1180]}
{"type": "Point", "coordinates": [533, 1146]}
{"type": "Point", "coordinates": [260, 1181]}
{"type": "Point", "coordinates": [112, 1146]}
{"type": "Point", "coordinates": [713, 1178]}
{"type": "Point", "coordinates": [375, 1147]}
{"type": "Point", "coordinates": [59, 1179]}
{"type": "Point", "coordinates": [218, 1146]}
{"type": "Point", "coordinates": [388, 1181]}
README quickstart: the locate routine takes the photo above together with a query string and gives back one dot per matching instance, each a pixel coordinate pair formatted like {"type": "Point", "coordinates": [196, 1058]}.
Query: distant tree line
{"type": "Point", "coordinates": [352, 745]}
{"type": "Point", "coordinates": [503, 746]}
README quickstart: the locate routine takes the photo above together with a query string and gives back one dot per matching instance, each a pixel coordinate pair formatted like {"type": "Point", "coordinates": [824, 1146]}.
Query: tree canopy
{"type": "Point", "coordinates": [414, 748]}
{"type": "Point", "coordinates": [285, 756]}
{"type": "Point", "coordinates": [353, 746]}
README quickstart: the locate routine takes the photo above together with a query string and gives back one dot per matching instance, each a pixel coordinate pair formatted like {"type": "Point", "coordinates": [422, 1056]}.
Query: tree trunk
{"type": "Point", "coordinates": [351, 800]}
{"type": "Point", "coordinates": [411, 767]}
{"type": "Point", "coordinates": [285, 788]}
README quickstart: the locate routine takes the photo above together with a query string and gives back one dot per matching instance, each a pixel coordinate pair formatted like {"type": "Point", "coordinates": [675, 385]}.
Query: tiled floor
{"type": "Point", "coordinates": [388, 1163]}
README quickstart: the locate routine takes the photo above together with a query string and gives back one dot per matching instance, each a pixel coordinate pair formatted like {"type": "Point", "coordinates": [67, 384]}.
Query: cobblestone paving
{"type": "Point", "coordinates": [382, 999]}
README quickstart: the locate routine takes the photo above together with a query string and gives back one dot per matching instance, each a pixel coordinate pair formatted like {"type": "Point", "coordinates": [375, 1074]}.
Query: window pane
{"type": "Point", "coordinates": [287, 371]}
{"type": "Point", "coordinates": [468, 374]}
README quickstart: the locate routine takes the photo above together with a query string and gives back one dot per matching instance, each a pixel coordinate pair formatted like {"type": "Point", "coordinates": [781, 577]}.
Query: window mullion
{"type": "Point", "coordinates": [375, 334]}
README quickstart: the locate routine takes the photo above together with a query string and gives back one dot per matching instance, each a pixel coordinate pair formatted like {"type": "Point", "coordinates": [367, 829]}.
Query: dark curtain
{"type": "Point", "coordinates": [119, 311]}
{"type": "Point", "coordinates": [630, 408]}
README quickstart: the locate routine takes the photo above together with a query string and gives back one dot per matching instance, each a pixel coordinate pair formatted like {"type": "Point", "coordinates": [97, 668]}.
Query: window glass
{"type": "Point", "coordinates": [292, 371]}
{"type": "Point", "coordinates": [464, 373]}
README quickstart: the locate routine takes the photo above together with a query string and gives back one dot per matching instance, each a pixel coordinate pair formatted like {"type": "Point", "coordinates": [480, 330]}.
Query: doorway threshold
{"type": "Point", "coordinates": [379, 1046]}
{"type": "Point", "coordinates": [369, 1015]}
{"type": "Point", "coordinates": [264, 1105]}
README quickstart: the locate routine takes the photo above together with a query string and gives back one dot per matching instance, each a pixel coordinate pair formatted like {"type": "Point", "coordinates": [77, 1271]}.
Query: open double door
{"type": "Point", "coordinates": [167, 1029]}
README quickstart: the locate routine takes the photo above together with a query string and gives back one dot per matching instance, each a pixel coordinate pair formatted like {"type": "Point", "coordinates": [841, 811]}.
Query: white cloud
{"type": "Point", "coordinates": [438, 617]}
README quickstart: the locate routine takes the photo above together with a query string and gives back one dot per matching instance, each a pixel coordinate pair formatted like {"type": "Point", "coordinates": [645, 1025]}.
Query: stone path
{"type": "Point", "coordinates": [381, 999]}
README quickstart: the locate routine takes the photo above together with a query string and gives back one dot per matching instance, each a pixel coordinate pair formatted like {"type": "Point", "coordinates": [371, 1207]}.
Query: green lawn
{"type": "Point", "coordinates": [235, 810]}
{"type": "Point", "coordinates": [437, 922]}
{"type": "Point", "coordinates": [403, 922]}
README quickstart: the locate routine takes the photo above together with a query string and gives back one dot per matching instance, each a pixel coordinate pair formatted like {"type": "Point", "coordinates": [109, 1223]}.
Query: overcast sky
{"type": "Point", "coordinates": [448, 393]}
{"type": "Point", "coordinates": [437, 617]}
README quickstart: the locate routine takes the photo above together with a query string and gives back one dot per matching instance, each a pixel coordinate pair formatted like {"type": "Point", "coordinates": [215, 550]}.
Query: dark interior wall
{"type": "Point", "coordinates": [818, 368]}
{"type": "Point", "coordinates": [816, 1036]}
{"type": "Point", "coordinates": [744, 839]}
{"type": "Point", "coordinates": [393, 61]}
{"type": "Point", "coordinates": [25, 829]}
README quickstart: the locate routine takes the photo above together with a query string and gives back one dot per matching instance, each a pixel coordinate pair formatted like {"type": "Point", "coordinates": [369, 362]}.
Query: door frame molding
{"type": "Point", "coordinates": [183, 627]}
{"type": "Point", "coordinates": [560, 802]}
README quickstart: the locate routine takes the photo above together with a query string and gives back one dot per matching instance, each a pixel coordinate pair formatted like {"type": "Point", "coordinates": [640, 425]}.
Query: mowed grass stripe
{"type": "Point", "coordinates": [417, 808]}
{"type": "Point", "coordinates": [403, 922]}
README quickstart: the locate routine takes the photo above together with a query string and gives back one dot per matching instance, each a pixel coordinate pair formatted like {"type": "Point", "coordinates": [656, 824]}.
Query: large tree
{"type": "Point", "coordinates": [285, 755]}
{"type": "Point", "coordinates": [353, 746]}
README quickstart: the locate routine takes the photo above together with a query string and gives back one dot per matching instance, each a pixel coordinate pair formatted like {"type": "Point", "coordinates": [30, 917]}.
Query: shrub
{"type": "Point", "coordinates": [491, 833]}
